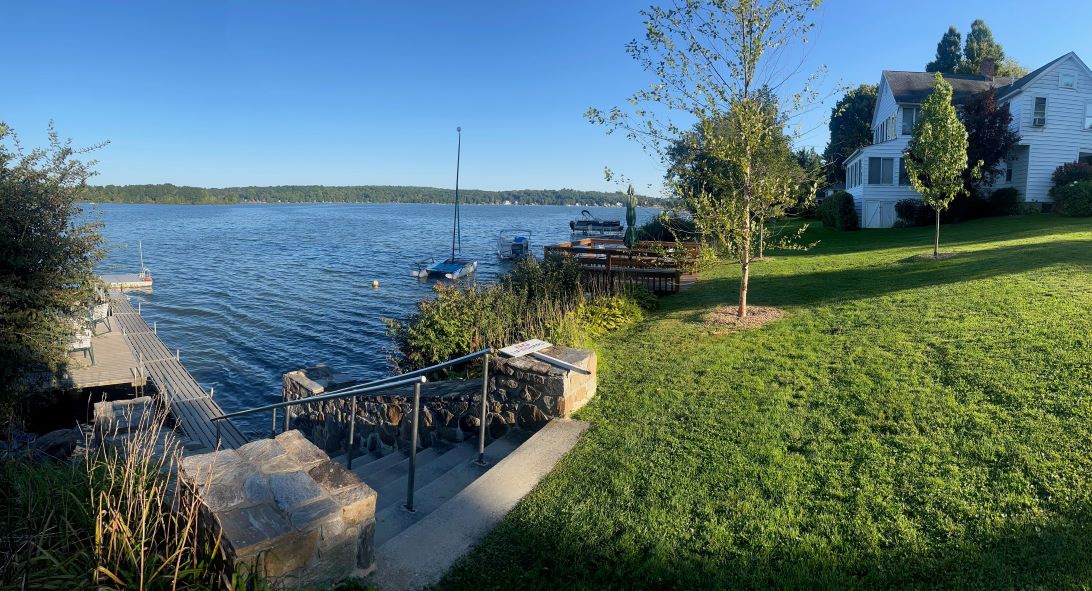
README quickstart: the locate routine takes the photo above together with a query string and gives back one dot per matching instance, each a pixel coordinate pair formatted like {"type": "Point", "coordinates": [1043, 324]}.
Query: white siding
{"type": "Point", "coordinates": [885, 104]}
{"type": "Point", "coordinates": [1063, 138]}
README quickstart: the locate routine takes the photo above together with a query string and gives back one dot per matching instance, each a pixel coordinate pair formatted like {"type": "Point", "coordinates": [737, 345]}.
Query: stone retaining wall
{"type": "Point", "coordinates": [524, 393]}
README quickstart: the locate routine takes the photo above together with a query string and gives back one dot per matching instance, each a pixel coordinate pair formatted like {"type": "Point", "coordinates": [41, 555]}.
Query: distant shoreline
{"type": "Point", "coordinates": [659, 205]}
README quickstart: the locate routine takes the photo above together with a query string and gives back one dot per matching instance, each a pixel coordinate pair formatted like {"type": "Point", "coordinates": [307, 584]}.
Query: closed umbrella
{"type": "Point", "coordinates": [631, 219]}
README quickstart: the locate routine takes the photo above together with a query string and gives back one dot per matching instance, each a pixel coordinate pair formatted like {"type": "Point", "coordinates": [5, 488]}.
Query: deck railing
{"type": "Point", "coordinates": [377, 388]}
{"type": "Point", "coordinates": [608, 263]}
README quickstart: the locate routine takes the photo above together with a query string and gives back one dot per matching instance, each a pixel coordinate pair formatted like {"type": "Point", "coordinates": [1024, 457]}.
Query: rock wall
{"type": "Point", "coordinates": [523, 393]}
{"type": "Point", "coordinates": [283, 507]}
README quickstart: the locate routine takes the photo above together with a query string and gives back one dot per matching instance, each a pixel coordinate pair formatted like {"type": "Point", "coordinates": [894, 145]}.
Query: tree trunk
{"type": "Point", "coordinates": [745, 258]}
{"type": "Point", "coordinates": [761, 240]}
{"type": "Point", "coordinates": [936, 238]}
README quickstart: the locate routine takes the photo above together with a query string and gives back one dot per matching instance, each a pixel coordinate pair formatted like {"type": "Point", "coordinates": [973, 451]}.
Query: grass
{"type": "Point", "coordinates": [908, 424]}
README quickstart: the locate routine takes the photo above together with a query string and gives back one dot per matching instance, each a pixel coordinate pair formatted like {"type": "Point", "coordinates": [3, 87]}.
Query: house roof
{"type": "Point", "coordinates": [1017, 85]}
{"type": "Point", "coordinates": [915, 87]}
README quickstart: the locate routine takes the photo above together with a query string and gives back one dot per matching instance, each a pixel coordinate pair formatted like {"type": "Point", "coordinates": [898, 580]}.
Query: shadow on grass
{"type": "Point", "coordinates": [820, 287]}
{"type": "Point", "coordinates": [528, 552]}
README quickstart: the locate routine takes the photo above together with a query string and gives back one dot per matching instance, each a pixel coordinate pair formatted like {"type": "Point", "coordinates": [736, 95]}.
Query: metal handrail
{"type": "Point", "coordinates": [416, 378]}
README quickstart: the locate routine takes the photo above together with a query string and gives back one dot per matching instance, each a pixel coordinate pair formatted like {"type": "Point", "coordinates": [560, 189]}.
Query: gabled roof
{"type": "Point", "coordinates": [914, 87]}
{"type": "Point", "coordinates": [1017, 85]}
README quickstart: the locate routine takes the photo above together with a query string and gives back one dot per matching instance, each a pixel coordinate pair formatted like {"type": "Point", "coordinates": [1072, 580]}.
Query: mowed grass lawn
{"type": "Point", "coordinates": [908, 424]}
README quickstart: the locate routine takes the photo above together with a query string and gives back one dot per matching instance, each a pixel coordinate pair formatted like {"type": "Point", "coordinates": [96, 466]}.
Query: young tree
{"type": "Point", "coordinates": [936, 156]}
{"type": "Point", "coordinates": [850, 128]}
{"type": "Point", "coordinates": [48, 256]}
{"type": "Point", "coordinates": [948, 57]}
{"type": "Point", "coordinates": [989, 137]}
{"type": "Point", "coordinates": [710, 59]}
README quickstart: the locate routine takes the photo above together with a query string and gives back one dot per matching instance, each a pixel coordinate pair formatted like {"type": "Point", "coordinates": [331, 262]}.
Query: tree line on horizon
{"type": "Point", "coordinates": [174, 194]}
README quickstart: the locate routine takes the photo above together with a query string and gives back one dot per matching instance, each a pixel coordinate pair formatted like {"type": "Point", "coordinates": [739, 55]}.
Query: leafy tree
{"type": "Point", "coordinates": [989, 137]}
{"type": "Point", "coordinates": [48, 255]}
{"type": "Point", "coordinates": [711, 59]}
{"type": "Point", "coordinates": [1011, 68]}
{"type": "Point", "coordinates": [850, 128]}
{"type": "Point", "coordinates": [948, 56]}
{"type": "Point", "coordinates": [936, 156]}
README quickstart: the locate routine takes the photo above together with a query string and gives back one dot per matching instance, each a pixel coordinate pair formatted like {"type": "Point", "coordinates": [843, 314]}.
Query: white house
{"type": "Point", "coordinates": [1051, 110]}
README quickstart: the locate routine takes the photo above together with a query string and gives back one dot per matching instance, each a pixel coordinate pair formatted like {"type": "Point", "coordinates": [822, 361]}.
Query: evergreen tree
{"type": "Point", "coordinates": [978, 45]}
{"type": "Point", "coordinates": [948, 57]}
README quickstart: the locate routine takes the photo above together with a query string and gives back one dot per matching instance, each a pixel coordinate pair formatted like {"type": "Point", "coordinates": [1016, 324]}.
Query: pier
{"type": "Point", "coordinates": [190, 405]}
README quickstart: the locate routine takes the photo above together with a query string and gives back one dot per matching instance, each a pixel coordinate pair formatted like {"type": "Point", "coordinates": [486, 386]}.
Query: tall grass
{"type": "Point", "coordinates": [112, 518]}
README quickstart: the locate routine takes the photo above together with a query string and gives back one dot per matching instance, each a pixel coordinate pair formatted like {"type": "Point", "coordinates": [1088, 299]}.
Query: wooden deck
{"type": "Point", "coordinates": [184, 398]}
{"type": "Point", "coordinates": [114, 362]}
{"type": "Point", "coordinates": [662, 267]}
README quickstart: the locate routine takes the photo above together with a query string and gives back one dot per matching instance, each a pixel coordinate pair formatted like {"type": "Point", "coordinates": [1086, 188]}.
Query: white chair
{"type": "Point", "coordinates": [82, 342]}
{"type": "Point", "coordinates": [99, 314]}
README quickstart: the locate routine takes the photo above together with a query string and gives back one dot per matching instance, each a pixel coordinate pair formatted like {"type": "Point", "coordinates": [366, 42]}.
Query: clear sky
{"type": "Point", "coordinates": [265, 93]}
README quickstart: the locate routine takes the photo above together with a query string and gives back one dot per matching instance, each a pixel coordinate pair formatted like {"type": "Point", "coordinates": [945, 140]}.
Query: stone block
{"type": "Point", "coordinates": [292, 489]}
{"type": "Point", "coordinates": [299, 448]}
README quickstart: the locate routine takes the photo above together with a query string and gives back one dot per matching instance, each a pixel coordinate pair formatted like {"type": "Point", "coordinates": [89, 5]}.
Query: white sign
{"type": "Point", "coordinates": [525, 348]}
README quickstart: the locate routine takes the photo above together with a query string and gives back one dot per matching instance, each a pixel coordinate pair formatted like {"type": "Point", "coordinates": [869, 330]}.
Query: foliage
{"type": "Point", "coordinates": [715, 63]}
{"type": "Point", "coordinates": [837, 211]}
{"type": "Point", "coordinates": [978, 45]}
{"type": "Point", "coordinates": [814, 168]}
{"type": "Point", "coordinates": [1071, 172]}
{"type": "Point", "coordinates": [48, 254]}
{"type": "Point", "coordinates": [1005, 201]}
{"type": "Point", "coordinates": [537, 299]}
{"type": "Point", "coordinates": [948, 55]}
{"type": "Point", "coordinates": [167, 193]}
{"type": "Point", "coordinates": [912, 212]}
{"type": "Point", "coordinates": [850, 128]}
{"type": "Point", "coordinates": [918, 425]}
{"type": "Point", "coordinates": [989, 138]}
{"type": "Point", "coordinates": [112, 519]}
{"type": "Point", "coordinates": [604, 314]}
{"type": "Point", "coordinates": [669, 228]}
{"type": "Point", "coordinates": [937, 154]}
{"type": "Point", "coordinates": [1074, 199]}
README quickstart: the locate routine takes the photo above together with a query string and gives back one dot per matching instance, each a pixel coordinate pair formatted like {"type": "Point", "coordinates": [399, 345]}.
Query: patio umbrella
{"type": "Point", "coordinates": [631, 219]}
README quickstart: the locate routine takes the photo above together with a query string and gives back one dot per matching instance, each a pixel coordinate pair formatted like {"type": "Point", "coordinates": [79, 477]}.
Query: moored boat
{"type": "Point", "coordinates": [514, 244]}
{"type": "Point", "coordinates": [589, 226]}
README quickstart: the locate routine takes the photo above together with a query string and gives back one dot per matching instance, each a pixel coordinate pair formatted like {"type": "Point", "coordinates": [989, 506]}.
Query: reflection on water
{"type": "Point", "coordinates": [248, 292]}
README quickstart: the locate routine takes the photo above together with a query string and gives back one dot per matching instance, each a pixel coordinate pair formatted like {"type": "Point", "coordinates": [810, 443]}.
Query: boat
{"type": "Point", "coordinates": [514, 244]}
{"type": "Point", "coordinates": [589, 226]}
{"type": "Point", "coordinates": [454, 267]}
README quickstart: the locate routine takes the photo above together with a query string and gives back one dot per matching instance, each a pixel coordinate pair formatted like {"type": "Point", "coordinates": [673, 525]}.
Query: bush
{"type": "Point", "coordinates": [1074, 199]}
{"type": "Point", "coordinates": [914, 212]}
{"type": "Point", "coordinates": [1006, 201]}
{"type": "Point", "coordinates": [1071, 172]}
{"type": "Point", "coordinates": [837, 211]}
{"type": "Point", "coordinates": [665, 228]}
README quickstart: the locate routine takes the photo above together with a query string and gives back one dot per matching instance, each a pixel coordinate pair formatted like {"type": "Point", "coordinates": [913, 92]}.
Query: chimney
{"type": "Point", "coordinates": [989, 67]}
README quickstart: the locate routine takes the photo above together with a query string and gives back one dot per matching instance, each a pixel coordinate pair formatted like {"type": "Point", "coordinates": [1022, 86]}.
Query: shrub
{"type": "Point", "coordinates": [1074, 199]}
{"type": "Point", "coordinates": [837, 211]}
{"type": "Point", "coordinates": [1005, 201]}
{"type": "Point", "coordinates": [914, 212]}
{"type": "Point", "coordinates": [1071, 172]}
{"type": "Point", "coordinates": [665, 228]}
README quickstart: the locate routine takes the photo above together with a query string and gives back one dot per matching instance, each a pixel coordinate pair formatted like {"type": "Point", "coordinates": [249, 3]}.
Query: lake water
{"type": "Point", "coordinates": [248, 292]}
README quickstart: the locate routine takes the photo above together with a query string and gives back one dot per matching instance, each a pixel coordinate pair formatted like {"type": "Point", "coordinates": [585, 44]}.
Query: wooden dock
{"type": "Point", "coordinates": [123, 281]}
{"type": "Point", "coordinates": [184, 398]}
{"type": "Point", "coordinates": [114, 364]}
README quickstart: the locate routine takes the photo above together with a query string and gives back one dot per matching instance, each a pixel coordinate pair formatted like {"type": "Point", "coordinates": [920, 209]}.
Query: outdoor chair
{"type": "Point", "coordinates": [81, 341]}
{"type": "Point", "coordinates": [100, 313]}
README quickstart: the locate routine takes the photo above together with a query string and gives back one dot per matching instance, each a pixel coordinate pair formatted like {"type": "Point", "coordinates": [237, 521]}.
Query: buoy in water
{"type": "Point", "coordinates": [375, 284]}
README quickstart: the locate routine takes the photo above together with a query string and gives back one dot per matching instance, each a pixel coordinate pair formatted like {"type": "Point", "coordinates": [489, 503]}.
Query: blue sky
{"type": "Point", "coordinates": [267, 93]}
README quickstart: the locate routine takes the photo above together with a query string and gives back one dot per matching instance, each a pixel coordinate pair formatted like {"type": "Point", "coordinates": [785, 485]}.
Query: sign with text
{"type": "Point", "coordinates": [525, 348]}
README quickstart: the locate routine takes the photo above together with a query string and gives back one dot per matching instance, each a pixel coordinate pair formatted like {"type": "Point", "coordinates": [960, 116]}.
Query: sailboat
{"type": "Point", "coordinates": [454, 267]}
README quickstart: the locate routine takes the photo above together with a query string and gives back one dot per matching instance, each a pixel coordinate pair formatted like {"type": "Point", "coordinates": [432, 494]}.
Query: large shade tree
{"type": "Point", "coordinates": [936, 157]}
{"type": "Point", "coordinates": [710, 60]}
{"type": "Point", "coordinates": [48, 254]}
{"type": "Point", "coordinates": [850, 128]}
{"type": "Point", "coordinates": [990, 138]}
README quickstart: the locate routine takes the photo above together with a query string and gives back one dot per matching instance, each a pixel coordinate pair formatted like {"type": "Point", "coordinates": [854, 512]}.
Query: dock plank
{"type": "Point", "coordinates": [185, 399]}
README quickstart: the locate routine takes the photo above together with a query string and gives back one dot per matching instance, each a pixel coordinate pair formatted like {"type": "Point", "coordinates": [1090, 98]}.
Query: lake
{"type": "Point", "coordinates": [248, 292]}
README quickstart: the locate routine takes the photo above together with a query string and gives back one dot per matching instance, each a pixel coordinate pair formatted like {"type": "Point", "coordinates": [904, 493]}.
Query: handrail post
{"type": "Point", "coordinates": [273, 430]}
{"type": "Point", "coordinates": [217, 434]}
{"type": "Point", "coordinates": [485, 395]}
{"type": "Point", "coordinates": [352, 435]}
{"type": "Point", "coordinates": [413, 447]}
{"type": "Point", "coordinates": [287, 410]}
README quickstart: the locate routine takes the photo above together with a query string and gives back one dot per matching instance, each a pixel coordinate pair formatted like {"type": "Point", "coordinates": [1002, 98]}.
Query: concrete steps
{"type": "Point", "coordinates": [457, 502]}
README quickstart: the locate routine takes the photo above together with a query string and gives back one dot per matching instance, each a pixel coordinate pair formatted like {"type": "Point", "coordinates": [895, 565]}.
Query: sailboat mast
{"type": "Point", "coordinates": [455, 234]}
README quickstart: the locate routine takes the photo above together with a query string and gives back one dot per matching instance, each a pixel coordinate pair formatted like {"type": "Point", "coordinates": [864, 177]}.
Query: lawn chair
{"type": "Point", "coordinates": [100, 313]}
{"type": "Point", "coordinates": [82, 342]}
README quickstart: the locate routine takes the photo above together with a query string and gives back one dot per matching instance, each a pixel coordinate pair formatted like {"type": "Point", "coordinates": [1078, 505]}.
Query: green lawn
{"type": "Point", "coordinates": [908, 424]}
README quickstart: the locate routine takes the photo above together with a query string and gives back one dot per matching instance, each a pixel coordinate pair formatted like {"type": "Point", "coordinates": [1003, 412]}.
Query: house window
{"type": "Point", "coordinates": [1039, 118]}
{"type": "Point", "coordinates": [892, 126]}
{"type": "Point", "coordinates": [880, 171]}
{"type": "Point", "coordinates": [1088, 116]}
{"type": "Point", "coordinates": [1066, 80]}
{"type": "Point", "coordinates": [904, 175]}
{"type": "Point", "coordinates": [910, 116]}
{"type": "Point", "coordinates": [1008, 172]}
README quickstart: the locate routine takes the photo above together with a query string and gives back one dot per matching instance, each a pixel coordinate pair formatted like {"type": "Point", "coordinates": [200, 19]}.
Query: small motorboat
{"type": "Point", "coordinates": [589, 226]}
{"type": "Point", "coordinates": [514, 244]}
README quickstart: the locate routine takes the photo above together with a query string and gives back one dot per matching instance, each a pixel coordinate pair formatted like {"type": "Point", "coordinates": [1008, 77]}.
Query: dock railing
{"type": "Point", "coordinates": [376, 388]}
{"type": "Point", "coordinates": [656, 265]}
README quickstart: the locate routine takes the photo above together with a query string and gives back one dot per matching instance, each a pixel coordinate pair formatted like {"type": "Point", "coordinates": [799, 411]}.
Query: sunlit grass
{"type": "Point", "coordinates": [922, 424]}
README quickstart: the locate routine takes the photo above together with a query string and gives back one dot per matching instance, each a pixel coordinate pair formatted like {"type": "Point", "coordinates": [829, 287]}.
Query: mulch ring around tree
{"type": "Point", "coordinates": [725, 317]}
{"type": "Point", "coordinates": [929, 257]}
